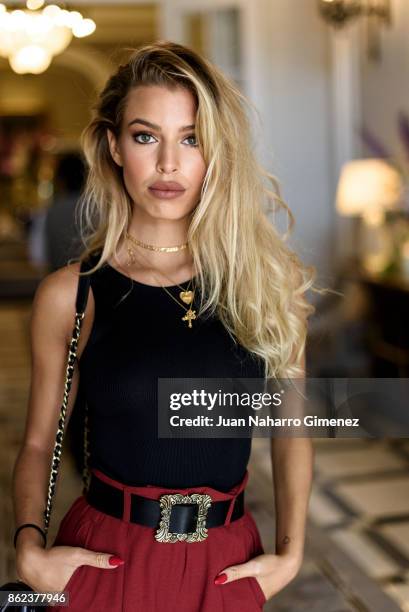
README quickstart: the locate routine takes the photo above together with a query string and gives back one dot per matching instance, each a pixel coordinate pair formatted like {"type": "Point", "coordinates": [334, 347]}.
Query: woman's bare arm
{"type": "Point", "coordinates": [52, 321]}
{"type": "Point", "coordinates": [292, 465]}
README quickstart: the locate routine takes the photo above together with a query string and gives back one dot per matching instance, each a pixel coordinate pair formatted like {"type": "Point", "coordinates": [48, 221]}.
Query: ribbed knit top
{"type": "Point", "coordinates": [136, 337]}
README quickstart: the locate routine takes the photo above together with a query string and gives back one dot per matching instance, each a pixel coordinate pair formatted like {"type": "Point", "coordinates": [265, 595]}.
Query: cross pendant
{"type": "Point", "coordinates": [190, 314]}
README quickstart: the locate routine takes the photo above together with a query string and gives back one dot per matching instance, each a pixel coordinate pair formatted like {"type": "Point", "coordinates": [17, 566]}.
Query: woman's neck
{"type": "Point", "coordinates": [157, 233]}
{"type": "Point", "coordinates": [154, 267]}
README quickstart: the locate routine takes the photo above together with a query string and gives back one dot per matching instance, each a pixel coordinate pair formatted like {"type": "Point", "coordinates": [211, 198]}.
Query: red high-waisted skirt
{"type": "Point", "coordinates": [157, 576]}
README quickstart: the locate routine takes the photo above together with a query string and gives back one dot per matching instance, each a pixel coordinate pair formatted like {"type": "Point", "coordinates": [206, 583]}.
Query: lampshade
{"type": "Point", "coordinates": [368, 187]}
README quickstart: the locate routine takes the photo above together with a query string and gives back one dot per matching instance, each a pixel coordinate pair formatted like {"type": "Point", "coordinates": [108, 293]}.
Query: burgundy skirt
{"type": "Point", "coordinates": [158, 576]}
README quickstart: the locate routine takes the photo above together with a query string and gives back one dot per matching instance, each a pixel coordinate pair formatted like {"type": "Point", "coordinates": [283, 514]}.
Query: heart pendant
{"type": "Point", "coordinates": [186, 296]}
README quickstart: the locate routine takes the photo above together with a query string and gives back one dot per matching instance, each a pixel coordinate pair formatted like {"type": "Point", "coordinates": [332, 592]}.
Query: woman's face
{"type": "Point", "coordinates": [164, 150]}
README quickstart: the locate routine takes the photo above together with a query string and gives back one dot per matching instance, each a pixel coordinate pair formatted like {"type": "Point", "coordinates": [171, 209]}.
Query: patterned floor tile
{"type": "Point", "coordinates": [361, 461]}
{"type": "Point", "coordinates": [397, 534]}
{"type": "Point", "coordinates": [400, 593]}
{"type": "Point", "coordinates": [377, 498]}
{"type": "Point", "coordinates": [323, 511]}
{"type": "Point", "coordinates": [365, 553]}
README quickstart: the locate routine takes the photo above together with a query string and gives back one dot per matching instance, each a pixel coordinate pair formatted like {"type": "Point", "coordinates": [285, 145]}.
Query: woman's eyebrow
{"type": "Point", "coordinates": [153, 126]}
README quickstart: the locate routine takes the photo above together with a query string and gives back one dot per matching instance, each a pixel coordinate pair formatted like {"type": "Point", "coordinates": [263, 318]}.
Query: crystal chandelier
{"type": "Point", "coordinates": [339, 12]}
{"type": "Point", "coordinates": [30, 38]}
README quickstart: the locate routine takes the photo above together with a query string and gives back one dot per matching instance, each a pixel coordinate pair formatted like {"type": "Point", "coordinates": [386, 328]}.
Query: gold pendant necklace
{"type": "Point", "coordinates": [186, 295]}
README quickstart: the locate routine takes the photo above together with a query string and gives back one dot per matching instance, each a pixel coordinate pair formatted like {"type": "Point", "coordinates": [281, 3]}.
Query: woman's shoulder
{"type": "Point", "coordinates": [62, 284]}
{"type": "Point", "coordinates": [56, 294]}
{"type": "Point", "coordinates": [55, 299]}
{"type": "Point", "coordinates": [59, 287]}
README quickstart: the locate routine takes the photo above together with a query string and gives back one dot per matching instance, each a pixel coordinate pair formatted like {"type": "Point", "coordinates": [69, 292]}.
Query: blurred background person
{"type": "Point", "coordinates": [61, 233]}
{"type": "Point", "coordinates": [53, 235]}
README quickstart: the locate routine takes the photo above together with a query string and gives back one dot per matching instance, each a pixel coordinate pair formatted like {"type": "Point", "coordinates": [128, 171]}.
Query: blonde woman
{"type": "Point", "coordinates": [188, 278]}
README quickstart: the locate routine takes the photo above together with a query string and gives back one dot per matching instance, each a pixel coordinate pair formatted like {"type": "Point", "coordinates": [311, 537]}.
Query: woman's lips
{"type": "Point", "coordinates": [166, 194]}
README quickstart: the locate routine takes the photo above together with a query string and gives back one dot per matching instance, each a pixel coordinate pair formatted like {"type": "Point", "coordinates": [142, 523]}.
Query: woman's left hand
{"type": "Point", "coordinates": [273, 572]}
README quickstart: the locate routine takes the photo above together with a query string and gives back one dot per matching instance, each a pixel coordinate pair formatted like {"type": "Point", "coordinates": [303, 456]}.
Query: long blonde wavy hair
{"type": "Point", "coordinates": [246, 274]}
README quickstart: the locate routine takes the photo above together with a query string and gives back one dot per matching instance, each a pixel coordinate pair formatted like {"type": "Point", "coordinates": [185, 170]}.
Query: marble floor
{"type": "Point", "coordinates": [361, 500]}
{"type": "Point", "coordinates": [357, 543]}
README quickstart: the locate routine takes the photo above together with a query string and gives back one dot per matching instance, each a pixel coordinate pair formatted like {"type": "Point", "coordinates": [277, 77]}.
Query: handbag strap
{"type": "Point", "coordinates": [80, 305]}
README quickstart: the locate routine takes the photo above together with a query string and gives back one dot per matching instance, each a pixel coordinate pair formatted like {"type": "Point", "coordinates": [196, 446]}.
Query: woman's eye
{"type": "Point", "coordinates": [194, 138]}
{"type": "Point", "coordinates": [135, 136]}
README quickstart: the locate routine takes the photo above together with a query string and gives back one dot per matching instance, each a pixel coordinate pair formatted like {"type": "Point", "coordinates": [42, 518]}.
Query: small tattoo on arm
{"type": "Point", "coordinates": [286, 540]}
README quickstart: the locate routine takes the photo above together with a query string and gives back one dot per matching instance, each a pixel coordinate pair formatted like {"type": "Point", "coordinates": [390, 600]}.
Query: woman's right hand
{"type": "Point", "coordinates": [50, 569]}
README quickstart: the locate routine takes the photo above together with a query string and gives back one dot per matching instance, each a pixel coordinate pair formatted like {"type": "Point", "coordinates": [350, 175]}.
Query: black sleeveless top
{"type": "Point", "coordinates": [136, 337]}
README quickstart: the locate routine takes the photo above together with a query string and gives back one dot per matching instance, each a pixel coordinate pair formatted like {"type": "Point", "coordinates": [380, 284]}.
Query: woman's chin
{"type": "Point", "coordinates": [166, 210]}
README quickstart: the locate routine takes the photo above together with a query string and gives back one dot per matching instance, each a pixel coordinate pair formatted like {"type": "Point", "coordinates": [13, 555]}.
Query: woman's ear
{"type": "Point", "coordinates": [113, 147]}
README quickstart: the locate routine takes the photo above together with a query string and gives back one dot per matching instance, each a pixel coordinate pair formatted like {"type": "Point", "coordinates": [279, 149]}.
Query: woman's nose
{"type": "Point", "coordinates": [168, 159]}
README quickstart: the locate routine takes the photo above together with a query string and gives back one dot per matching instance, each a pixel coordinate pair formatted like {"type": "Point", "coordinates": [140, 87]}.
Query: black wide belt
{"type": "Point", "coordinates": [176, 517]}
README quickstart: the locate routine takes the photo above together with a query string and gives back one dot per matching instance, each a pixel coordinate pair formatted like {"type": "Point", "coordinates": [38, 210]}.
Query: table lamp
{"type": "Point", "coordinates": [368, 188]}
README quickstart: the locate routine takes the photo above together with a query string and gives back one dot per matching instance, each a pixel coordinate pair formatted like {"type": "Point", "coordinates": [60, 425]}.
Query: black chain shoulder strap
{"type": "Point", "coordinates": [81, 302]}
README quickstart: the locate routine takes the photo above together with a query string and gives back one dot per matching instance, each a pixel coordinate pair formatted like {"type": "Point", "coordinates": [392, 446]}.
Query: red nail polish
{"type": "Point", "coordinates": [220, 579]}
{"type": "Point", "coordinates": [115, 561]}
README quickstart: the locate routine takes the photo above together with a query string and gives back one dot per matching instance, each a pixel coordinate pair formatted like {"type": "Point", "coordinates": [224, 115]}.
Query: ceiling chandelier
{"type": "Point", "coordinates": [339, 12]}
{"type": "Point", "coordinates": [378, 14]}
{"type": "Point", "coordinates": [30, 38]}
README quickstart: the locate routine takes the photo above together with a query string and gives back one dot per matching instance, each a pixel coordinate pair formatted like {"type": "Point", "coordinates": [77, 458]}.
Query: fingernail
{"type": "Point", "coordinates": [220, 579]}
{"type": "Point", "coordinates": [115, 561]}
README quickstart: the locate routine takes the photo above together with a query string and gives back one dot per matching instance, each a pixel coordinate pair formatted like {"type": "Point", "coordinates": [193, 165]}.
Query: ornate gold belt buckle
{"type": "Point", "coordinates": [169, 500]}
